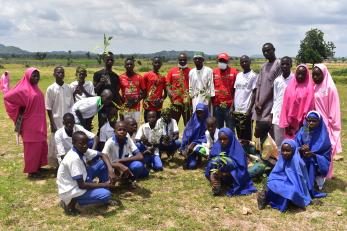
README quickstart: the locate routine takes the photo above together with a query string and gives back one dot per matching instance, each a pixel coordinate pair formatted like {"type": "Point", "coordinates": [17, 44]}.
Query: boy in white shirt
{"type": "Point", "coordinates": [81, 88]}
{"type": "Point", "coordinates": [245, 89]}
{"type": "Point", "coordinates": [59, 101]}
{"type": "Point", "coordinates": [280, 85]}
{"type": "Point", "coordinates": [125, 157]}
{"type": "Point", "coordinates": [85, 109]}
{"type": "Point", "coordinates": [63, 137]}
{"type": "Point", "coordinates": [75, 176]}
{"type": "Point", "coordinates": [107, 130]}
{"type": "Point", "coordinates": [169, 142]}
{"type": "Point", "coordinates": [148, 140]}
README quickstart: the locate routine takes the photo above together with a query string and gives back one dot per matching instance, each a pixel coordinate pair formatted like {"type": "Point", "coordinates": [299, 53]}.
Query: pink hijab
{"type": "Point", "coordinates": [297, 102]}
{"type": "Point", "coordinates": [24, 94]}
{"type": "Point", "coordinates": [5, 82]}
{"type": "Point", "coordinates": [327, 103]}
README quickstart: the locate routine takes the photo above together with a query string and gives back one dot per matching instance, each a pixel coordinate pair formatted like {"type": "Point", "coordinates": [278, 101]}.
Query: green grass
{"type": "Point", "coordinates": [170, 200]}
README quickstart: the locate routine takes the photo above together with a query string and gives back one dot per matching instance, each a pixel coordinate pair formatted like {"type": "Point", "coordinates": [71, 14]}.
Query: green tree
{"type": "Point", "coordinates": [314, 49]}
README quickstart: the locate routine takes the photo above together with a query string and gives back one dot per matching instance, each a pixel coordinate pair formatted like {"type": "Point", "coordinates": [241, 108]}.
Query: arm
{"type": "Point", "coordinates": [108, 164]}
{"type": "Point", "coordinates": [96, 142]}
{"type": "Point", "coordinates": [50, 116]}
{"type": "Point", "coordinates": [87, 185]}
{"type": "Point", "coordinates": [138, 157]}
{"type": "Point", "coordinates": [249, 111]}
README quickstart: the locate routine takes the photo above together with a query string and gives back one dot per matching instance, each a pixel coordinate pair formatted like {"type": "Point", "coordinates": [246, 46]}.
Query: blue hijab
{"type": "Point", "coordinates": [195, 128]}
{"type": "Point", "coordinates": [289, 178]}
{"type": "Point", "coordinates": [319, 143]}
{"type": "Point", "coordinates": [241, 182]}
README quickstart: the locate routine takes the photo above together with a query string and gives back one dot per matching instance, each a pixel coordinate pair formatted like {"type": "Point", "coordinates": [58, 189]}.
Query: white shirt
{"type": "Point", "coordinates": [153, 135]}
{"type": "Point", "coordinates": [87, 106]}
{"type": "Point", "coordinates": [244, 86]}
{"type": "Point", "coordinates": [70, 170]}
{"type": "Point", "coordinates": [168, 129]}
{"type": "Point", "coordinates": [59, 100]}
{"type": "Point", "coordinates": [64, 142]}
{"type": "Point", "coordinates": [201, 86]}
{"type": "Point", "coordinates": [106, 132]}
{"type": "Point", "coordinates": [88, 86]}
{"type": "Point", "coordinates": [210, 142]}
{"type": "Point", "coordinates": [280, 85]}
{"type": "Point", "coordinates": [111, 149]}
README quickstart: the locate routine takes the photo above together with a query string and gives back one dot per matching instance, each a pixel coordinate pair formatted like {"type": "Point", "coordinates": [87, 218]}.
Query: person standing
{"type": "Point", "coordinates": [25, 105]}
{"type": "Point", "coordinates": [177, 82]}
{"type": "Point", "coordinates": [264, 94]}
{"type": "Point", "coordinates": [224, 78]}
{"type": "Point", "coordinates": [201, 87]}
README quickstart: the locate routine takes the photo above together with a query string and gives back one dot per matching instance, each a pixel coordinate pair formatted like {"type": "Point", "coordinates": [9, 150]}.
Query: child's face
{"type": "Point", "coordinates": [287, 151]}
{"type": "Point", "coordinates": [312, 122]}
{"type": "Point", "coordinates": [81, 144]}
{"type": "Point", "coordinates": [59, 74]}
{"type": "Point", "coordinates": [121, 131]}
{"type": "Point", "coordinates": [200, 114]}
{"type": "Point", "coordinates": [69, 123]}
{"type": "Point", "coordinates": [166, 117]}
{"type": "Point", "coordinates": [317, 75]}
{"type": "Point", "coordinates": [301, 74]}
{"type": "Point", "coordinates": [152, 118]}
{"type": "Point", "coordinates": [223, 139]}
{"type": "Point", "coordinates": [245, 63]}
{"type": "Point", "coordinates": [82, 75]}
{"type": "Point", "coordinates": [211, 127]}
{"type": "Point", "coordinates": [132, 126]}
{"type": "Point", "coordinates": [286, 64]}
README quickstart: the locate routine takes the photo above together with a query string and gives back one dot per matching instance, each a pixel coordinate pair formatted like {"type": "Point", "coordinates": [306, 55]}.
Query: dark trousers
{"type": "Point", "coordinates": [178, 110]}
{"type": "Point", "coordinates": [222, 114]}
{"type": "Point", "coordinates": [243, 125]}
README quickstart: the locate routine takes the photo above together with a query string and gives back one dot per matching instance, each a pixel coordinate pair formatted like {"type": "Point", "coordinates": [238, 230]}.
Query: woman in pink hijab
{"type": "Point", "coordinates": [5, 82]}
{"type": "Point", "coordinates": [327, 103]}
{"type": "Point", "coordinates": [27, 100]}
{"type": "Point", "coordinates": [297, 101]}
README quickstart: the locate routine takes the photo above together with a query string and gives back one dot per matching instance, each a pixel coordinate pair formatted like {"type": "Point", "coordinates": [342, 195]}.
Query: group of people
{"type": "Point", "coordinates": [297, 114]}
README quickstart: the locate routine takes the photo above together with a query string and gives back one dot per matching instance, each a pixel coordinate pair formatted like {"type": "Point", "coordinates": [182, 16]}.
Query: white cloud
{"type": "Point", "coordinates": [238, 27]}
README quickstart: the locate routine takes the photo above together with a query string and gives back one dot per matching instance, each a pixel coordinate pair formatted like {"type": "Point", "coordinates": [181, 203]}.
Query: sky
{"type": "Point", "coordinates": [146, 26]}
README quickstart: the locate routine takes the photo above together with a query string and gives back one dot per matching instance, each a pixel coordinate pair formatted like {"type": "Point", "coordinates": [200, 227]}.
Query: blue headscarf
{"type": "Point", "coordinates": [289, 178]}
{"type": "Point", "coordinates": [195, 128]}
{"type": "Point", "coordinates": [319, 143]}
{"type": "Point", "coordinates": [241, 182]}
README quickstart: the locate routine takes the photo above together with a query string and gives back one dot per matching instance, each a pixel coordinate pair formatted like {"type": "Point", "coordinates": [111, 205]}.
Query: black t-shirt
{"type": "Point", "coordinates": [113, 83]}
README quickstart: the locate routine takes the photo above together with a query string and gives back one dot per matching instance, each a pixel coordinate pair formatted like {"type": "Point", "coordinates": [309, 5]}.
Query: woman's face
{"type": "Point", "coordinates": [317, 75]}
{"type": "Point", "coordinates": [223, 139]}
{"type": "Point", "coordinates": [301, 74]}
{"type": "Point", "coordinates": [287, 151]}
{"type": "Point", "coordinates": [35, 77]}
{"type": "Point", "coordinates": [312, 122]}
{"type": "Point", "coordinates": [200, 114]}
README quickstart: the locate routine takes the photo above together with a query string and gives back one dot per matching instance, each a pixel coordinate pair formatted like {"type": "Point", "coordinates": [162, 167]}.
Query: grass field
{"type": "Point", "coordinates": [170, 200]}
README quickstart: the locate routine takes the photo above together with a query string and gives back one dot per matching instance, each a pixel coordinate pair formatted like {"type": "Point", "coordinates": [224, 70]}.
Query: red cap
{"type": "Point", "coordinates": [224, 56]}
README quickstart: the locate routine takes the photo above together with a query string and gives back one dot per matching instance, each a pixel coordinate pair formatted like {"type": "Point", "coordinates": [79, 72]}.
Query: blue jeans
{"type": "Point", "coordinates": [99, 195]}
{"type": "Point", "coordinates": [153, 160]}
{"type": "Point", "coordinates": [138, 169]}
{"type": "Point", "coordinates": [223, 115]}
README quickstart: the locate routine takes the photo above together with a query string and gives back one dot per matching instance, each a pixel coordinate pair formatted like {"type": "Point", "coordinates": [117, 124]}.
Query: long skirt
{"type": "Point", "coordinates": [35, 156]}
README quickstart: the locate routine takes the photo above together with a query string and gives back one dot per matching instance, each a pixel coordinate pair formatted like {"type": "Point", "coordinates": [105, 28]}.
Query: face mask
{"type": "Point", "coordinates": [222, 66]}
{"type": "Point", "coordinates": [182, 67]}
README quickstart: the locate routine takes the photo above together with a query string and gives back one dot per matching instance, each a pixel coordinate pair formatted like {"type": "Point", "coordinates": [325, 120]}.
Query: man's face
{"type": "Point", "coordinates": [129, 66]}
{"type": "Point", "coordinates": [69, 123]}
{"type": "Point", "coordinates": [109, 61]}
{"type": "Point", "coordinates": [268, 51]}
{"type": "Point", "coordinates": [286, 64]}
{"type": "Point", "coordinates": [198, 61]}
{"type": "Point", "coordinates": [182, 60]}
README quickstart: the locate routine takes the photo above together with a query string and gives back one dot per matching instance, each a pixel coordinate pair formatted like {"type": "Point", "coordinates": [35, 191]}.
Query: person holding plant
{"type": "Point", "coordinates": [82, 88]}
{"type": "Point", "coordinates": [227, 166]}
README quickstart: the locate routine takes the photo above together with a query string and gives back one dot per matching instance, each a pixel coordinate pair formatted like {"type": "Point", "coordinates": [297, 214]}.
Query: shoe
{"type": "Point", "coordinates": [216, 184]}
{"type": "Point", "coordinates": [261, 199]}
{"type": "Point", "coordinates": [35, 175]}
{"type": "Point", "coordinates": [67, 210]}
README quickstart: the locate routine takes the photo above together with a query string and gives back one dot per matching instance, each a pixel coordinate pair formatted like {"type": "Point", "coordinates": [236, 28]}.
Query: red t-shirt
{"type": "Point", "coordinates": [177, 81]}
{"type": "Point", "coordinates": [154, 86]}
{"type": "Point", "coordinates": [131, 87]}
{"type": "Point", "coordinates": [224, 86]}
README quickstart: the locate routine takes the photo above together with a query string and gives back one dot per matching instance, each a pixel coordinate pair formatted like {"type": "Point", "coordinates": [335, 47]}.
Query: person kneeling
{"type": "Point", "coordinates": [76, 173]}
{"type": "Point", "coordinates": [228, 166]}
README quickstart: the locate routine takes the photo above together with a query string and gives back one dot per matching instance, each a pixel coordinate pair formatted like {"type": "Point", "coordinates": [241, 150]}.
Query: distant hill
{"type": "Point", "coordinates": [12, 50]}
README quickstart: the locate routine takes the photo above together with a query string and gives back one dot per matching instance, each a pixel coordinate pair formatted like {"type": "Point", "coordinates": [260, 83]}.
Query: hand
{"type": "Point", "coordinates": [113, 178]}
{"type": "Point", "coordinates": [191, 148]}
{"type": "Point", "coordinates": [53, 127]}
{"type": "Point", "coordinates": [258, 108]}
{"type": "Point", "coordinates": [103, 79]}
{"type": "Point", "coordinates": [124, 170]}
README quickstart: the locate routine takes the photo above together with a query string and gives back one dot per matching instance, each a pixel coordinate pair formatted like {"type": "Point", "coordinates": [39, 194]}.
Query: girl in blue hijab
{"type": "Point", "coordinates": [287, 181]}
{"type": "Point", "coordinates": [315, 149]}
{"type": "Point", "coordinates": [194, 134]}
{"type": "Point", "coordinates": [228, 166]}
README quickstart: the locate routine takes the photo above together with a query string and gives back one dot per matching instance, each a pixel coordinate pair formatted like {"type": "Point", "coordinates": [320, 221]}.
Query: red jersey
{"type": "Point", "coordinates": [177, 80]}
{"type": "Point", "coordinates": [154, 85]}
{"type": "Point", "coordinates": [224, 86]}
{"type": "Point", "coordinates": [131, 88]}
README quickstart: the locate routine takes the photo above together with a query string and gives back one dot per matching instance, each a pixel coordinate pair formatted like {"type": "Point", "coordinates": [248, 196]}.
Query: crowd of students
{"type": "Point", "coordinates": [296, 115]}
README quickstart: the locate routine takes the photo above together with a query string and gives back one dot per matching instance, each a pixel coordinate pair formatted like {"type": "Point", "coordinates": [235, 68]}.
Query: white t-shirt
{"type": "Point", "coordinates": [210, 142]}
{"type": "Point", "coordinates": [111, 149]}
{"type": "Point", "coordinates": [87, 106]}
{"type": "Point", "coordinates": [106, 132]}
{"type": "Point", "coordinates": [59, 100]}
{"type": "Point", "coordinates": [280, 85]}
{"type": "Point", "coordinates": [63, 142]}
{"type": "Point", "coordinates": [153, 135]}
{"type": "Point", "coordinates": [201, 86]}
{"type": "Point", "coordinates": [244, 86]}
{"type": "Point", "coordinates": [168, 129]}
{"type": "Point", "coordinates": [88, 86]}
{"type": "Point", "coordinates": [71, 169]}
